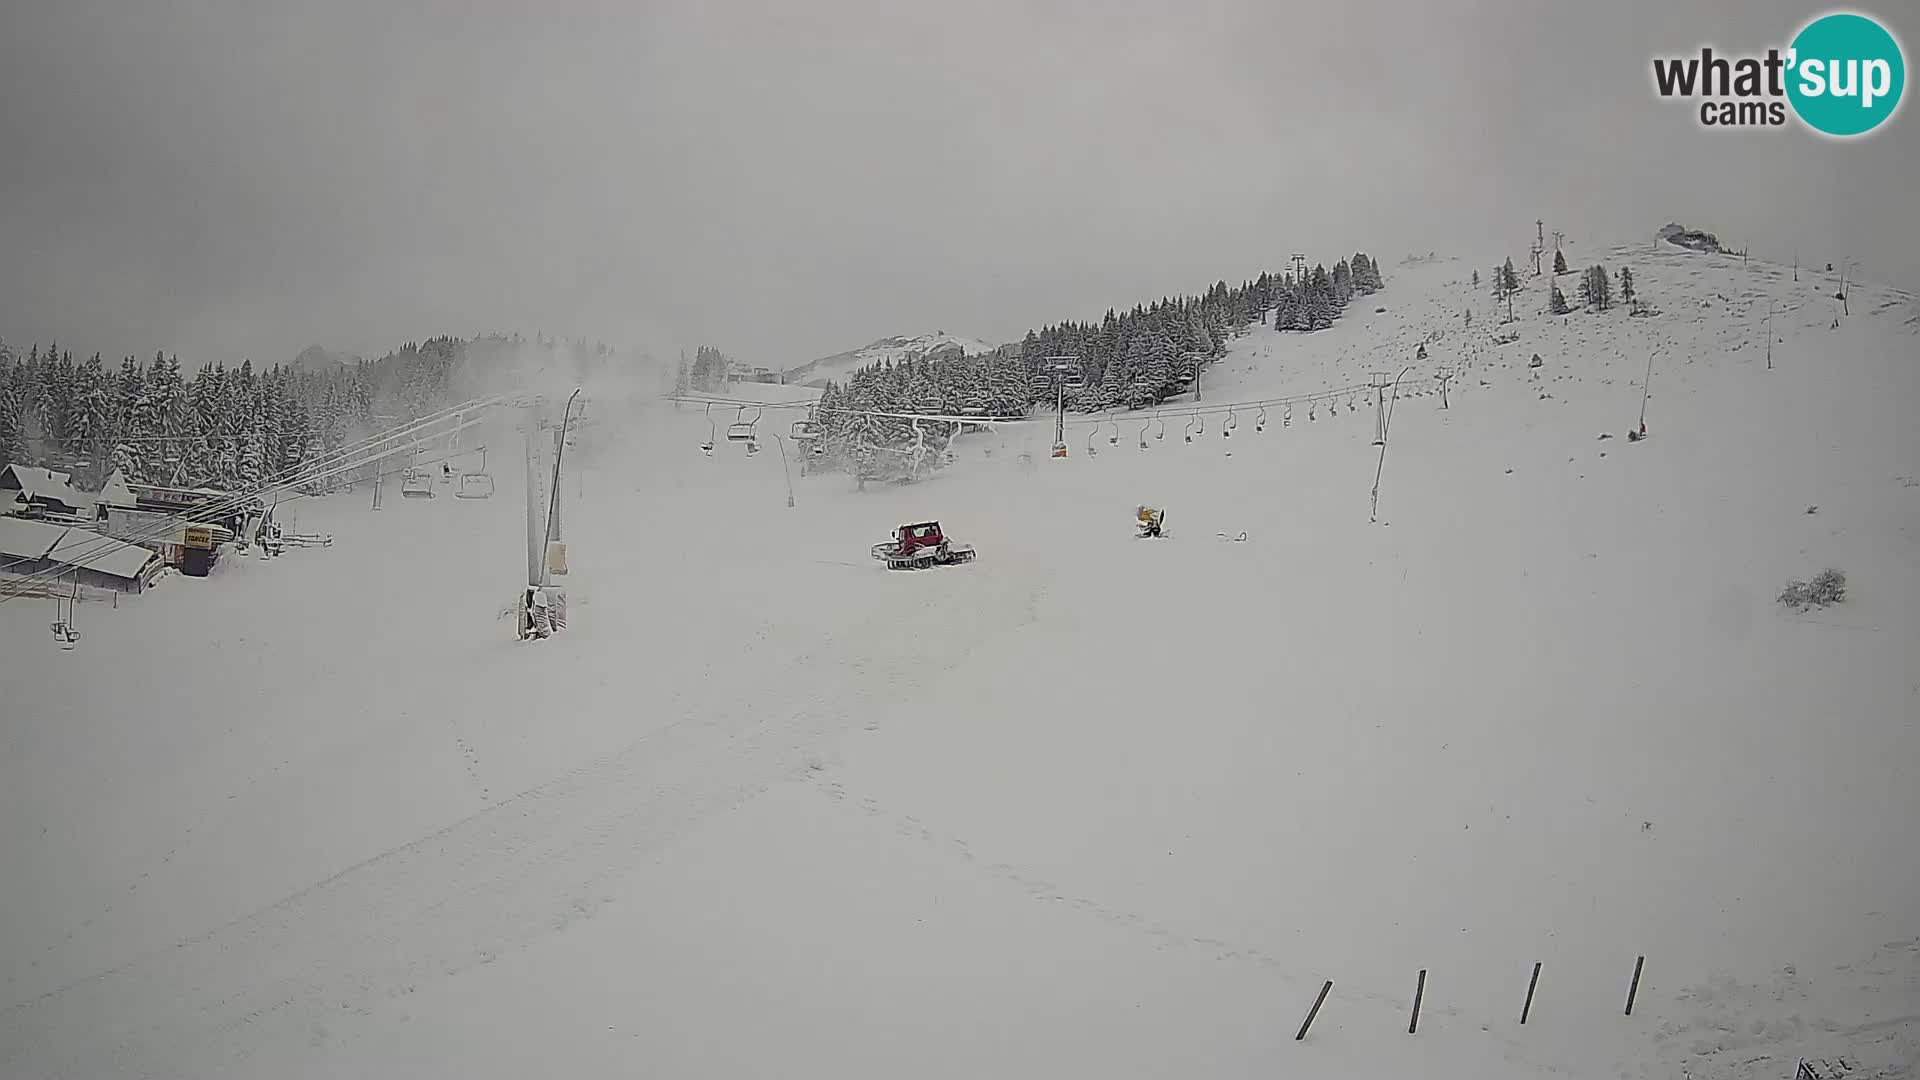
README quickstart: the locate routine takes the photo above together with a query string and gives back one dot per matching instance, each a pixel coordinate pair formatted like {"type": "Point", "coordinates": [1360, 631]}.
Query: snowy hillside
{"type": "Point", "coordinates": [1090, 806]}
{"type": "Point", "coordinates": [840, 365]}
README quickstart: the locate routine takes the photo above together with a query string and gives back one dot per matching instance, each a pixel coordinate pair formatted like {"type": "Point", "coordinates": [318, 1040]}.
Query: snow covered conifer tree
{"type": "Point", "coordinates": [1626, 288]}
{"type": "Point", "coordinates": [1322, 307]}
{"type": "Point", "coordinates": [1559, 262]}
{"type": "Point", "coordinates": [1476, 279]}
{"type": "Point", "coordinates": [1599, 292]}
{"type": "Point", "coordinates": [13, 428]}
{"type": "Point", "coordinates": [1509, 281]}
{"type": "Point", "coordinates": [1556, 302]}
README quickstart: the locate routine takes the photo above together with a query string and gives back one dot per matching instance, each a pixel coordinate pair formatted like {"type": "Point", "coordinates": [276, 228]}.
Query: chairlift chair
{"type": "Point", "coordinates": [741, 430]}
{"type": "Point", "coordinates": [1114, 439]}
{"type": "Point", "coordinates": [1260, 422]}
{"type": "Point", "coordinates": [64, 610]}
{"type": "Point", "coordinates": [416, 484]}
{"type": "Point", "coordinates": [707, 447]}
{"type": "Point", "coordinates": [1233, 421]}
{"type": "Point", "coordinates": [477, 484]}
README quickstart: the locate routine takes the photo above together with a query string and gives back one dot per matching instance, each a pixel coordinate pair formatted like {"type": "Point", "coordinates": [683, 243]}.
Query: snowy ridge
{"type": "Point", "coordinates": [895, 349]}
{"type": "Point", "coordinates": [769, 809]}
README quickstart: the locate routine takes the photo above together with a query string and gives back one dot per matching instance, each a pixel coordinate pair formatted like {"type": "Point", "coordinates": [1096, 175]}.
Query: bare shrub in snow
{"type": "Point", "coordinates": [1829, 586]}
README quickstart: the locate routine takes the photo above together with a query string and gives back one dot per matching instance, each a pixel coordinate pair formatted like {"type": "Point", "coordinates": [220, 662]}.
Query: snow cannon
{"type": "Point", "coordinates": [1148, 521]}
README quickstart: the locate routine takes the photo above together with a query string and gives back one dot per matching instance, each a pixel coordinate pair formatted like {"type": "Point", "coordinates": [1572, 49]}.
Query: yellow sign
{"type": "Point", "coordinates": [199, 536]}
{"type": "Point", "coordinates": [556, 557]}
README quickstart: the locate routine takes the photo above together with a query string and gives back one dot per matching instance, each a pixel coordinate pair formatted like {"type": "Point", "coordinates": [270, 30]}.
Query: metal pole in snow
{"type": "Point", "coordinates": [1060, 420]}
{"type": "Point", "coordinates": [1386, 417]}
{"type": "Point", "coordinates": [781, 443]}
{"type": "Point", "coordinates": [534, 554]}
{"type": "Point", "coordinates": [1419, 991]}
{"type": "Point", "coordinates": [553, 508]}
{"type": "Point", "coordinates": [553, 516]}
{"type": "Point", "coordinates": [1634, 988]}
{"type": "Point", "coordinates": [1646, 388]}
{"type": "Point", "coordinates": [1313, 1012]}
{"type": "Point", "coordinates": [1531, 983]}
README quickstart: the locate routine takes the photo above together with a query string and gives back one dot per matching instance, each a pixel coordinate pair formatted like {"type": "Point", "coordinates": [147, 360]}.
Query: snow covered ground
{"type": "Point", "coordinates": [1089, 806]}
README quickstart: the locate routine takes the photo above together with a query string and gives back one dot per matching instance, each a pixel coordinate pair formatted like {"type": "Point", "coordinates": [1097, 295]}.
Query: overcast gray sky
{"type": "Point", "coordinates": [228, 178]}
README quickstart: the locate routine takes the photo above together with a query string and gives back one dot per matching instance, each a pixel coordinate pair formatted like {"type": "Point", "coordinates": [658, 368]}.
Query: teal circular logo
{"type": "Point", "coordinates": [1847, 74]}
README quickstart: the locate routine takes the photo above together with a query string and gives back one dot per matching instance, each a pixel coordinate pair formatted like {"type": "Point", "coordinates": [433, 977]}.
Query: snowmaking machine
{"type": "Point", "coordinates": [916, 547]}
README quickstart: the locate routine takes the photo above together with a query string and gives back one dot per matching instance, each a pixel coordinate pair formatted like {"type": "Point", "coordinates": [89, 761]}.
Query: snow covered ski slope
{"type": "Point", "coordinates": [1083, 807]}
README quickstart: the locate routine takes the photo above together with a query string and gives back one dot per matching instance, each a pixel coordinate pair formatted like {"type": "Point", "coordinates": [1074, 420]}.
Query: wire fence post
{"type": "Point", "coordinates": [1419, 991]}
{"type": "Point", "coordinates": [1313, 1012]}
{"type": "Point", "coordinates": [1531, 983]}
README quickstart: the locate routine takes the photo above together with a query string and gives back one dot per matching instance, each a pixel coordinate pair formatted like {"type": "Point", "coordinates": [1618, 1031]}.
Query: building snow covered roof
{"type": "Point", "coordinates": [30, 541]}
{"type": "Point", "coordinates": [115, 491]}
{"type": "Point", "coordinates": [44, 485]}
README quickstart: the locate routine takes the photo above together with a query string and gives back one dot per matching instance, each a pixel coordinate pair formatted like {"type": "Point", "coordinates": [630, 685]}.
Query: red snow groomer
{"type": "Point", "coordinates": [916, 547]}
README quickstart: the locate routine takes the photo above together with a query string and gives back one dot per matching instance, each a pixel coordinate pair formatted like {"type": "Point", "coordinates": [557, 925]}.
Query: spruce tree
{"type": "Point", "coordinates": [93, 437]}
{"type": "Point", "coordinates": [13, 433]}
{"type": "Point", "coordinates": [1599, 292]}
{"type": "Point", "coordinates": [1626, 288]}
{"type": "Point", "coordinates": [1559, 262]}
{"type": "Point", "coordinates": [1476, 279]}
{"type": "Point", "coordinates": [1556, 302]}
{"type": "Point", "coordinates": [1509, 281]}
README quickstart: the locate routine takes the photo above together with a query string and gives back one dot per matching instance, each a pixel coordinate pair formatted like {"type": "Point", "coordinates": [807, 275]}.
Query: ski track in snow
{"type": "Point", "coordinates": [1164, 936]}
{"type": "Point", "coordinates": [504, 876]}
